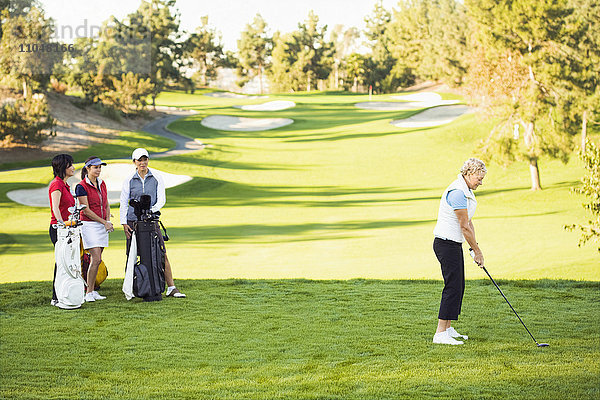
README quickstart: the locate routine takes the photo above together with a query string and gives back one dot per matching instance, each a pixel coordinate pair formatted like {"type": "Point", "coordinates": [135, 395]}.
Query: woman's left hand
{"type": "Point", "coordinates": [109, 226]}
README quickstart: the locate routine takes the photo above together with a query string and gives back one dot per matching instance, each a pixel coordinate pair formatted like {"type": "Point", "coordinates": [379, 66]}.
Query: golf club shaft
{"type": "Point", "coordinates": [508, 302]}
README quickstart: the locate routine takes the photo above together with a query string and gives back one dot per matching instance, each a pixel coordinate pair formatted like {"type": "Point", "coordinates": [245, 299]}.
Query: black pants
{"type": "Point", "coordinates": [450, 255]}
{"type": "Point", "coordinates": [53, 238]}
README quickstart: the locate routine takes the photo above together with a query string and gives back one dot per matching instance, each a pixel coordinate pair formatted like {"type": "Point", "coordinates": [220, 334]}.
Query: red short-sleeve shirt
{"type": "Point", "coordinates": [66, 199]}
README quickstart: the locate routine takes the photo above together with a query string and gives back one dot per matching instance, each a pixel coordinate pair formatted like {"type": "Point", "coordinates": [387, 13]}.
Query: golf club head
{"type": "Point", "coordinates": [543, 345]}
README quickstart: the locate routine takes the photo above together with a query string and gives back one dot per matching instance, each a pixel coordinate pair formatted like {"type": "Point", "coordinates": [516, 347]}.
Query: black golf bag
{"type": "Point", "coordinates": [149, 271]}
{"type": "Point", "coordinates": [145, 278]}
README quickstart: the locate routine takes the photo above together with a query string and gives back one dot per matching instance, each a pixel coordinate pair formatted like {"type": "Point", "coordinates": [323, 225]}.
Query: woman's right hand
{"type": "Point", "coordinates": [127, 230]}
{"type": "Point", "coordinates": [108, 226]}
{"type": "Point", "coordinates": [478, 257]}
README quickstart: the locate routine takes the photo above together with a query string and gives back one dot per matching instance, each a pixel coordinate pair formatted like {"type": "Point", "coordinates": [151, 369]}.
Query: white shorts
{"type": "Point", "coordinates": [94, 235]}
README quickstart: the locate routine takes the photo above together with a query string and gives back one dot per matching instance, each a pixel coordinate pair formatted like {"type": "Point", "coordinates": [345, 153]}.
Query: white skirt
{"type": "Point", "coordinates": [94, 235]}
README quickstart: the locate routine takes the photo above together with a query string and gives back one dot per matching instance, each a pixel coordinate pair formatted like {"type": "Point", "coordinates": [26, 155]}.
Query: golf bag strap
{"type": "Point", "coordinates": [165, 236]}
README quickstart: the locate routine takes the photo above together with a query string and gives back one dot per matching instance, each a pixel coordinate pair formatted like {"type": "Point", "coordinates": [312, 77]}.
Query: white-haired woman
{"type": "Point", "coordinates": [454, 226]}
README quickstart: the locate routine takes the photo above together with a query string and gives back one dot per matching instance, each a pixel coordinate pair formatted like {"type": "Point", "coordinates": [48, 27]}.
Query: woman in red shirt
{"type": "Point", "coordinates": [61, 199]}
{"type": "Point", "coordinates": [91, 191]}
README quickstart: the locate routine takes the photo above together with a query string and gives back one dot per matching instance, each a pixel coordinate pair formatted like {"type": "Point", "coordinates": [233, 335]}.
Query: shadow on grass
{"type": "Point", "coordinates": [253, 233]}
{"type": "Point", "coordinates": [25, 243]}
{"type": "Point", "coordinates": [31, 243]}
{"type": "Point", "coordinates": [525, 189]}
{"type": "Point", "coordinates": [223, 158]}
{"type": "Point", "coordinates": [196, 193]}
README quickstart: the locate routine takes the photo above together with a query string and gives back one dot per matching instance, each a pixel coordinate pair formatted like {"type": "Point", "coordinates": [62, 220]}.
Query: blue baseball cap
{"type": "Point", "coordinates": [94, 161]}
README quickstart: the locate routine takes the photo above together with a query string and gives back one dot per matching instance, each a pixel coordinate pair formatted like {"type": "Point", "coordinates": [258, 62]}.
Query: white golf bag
{"type": "Point", "coordinates": [69, 284]}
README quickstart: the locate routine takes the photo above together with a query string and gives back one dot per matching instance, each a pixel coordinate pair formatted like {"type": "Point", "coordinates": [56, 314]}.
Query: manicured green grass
{"type": "Point", "coordinates": [298, 339]}
{"type": "Point", "coordinates": [339, 194]}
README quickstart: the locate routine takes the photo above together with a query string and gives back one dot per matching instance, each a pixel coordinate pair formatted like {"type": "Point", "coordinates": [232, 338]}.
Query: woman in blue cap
{"type": "Point", "coordinates": [92, 192]}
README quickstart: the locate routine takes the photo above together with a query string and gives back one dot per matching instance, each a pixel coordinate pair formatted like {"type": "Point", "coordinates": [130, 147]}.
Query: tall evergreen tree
{"type": "Point", "coordinates": [21, 54]}
{"type": "Point", "coordinates": [576, 82]}
{"type": "Point", "coordinates": [354, 71]}
{"type": "Point", "coordinates": [344, 43]}
{"type": "Point", "coordinates": [380, 62]}
{"type": "Point", "coordinates": [301, 57]}
{"type": "Point", "coordinates": [313, 51]}
{"type": "Point", "coordinates": [162, 20]}
{"type": "Point", "coordinates": [428, 38]}
{"type": "Point", "coordinates": [254, 50]}
{"type": "Point", "coordinates": [204, 47]}
{"type": "Point", "coordinates": [515, 45]}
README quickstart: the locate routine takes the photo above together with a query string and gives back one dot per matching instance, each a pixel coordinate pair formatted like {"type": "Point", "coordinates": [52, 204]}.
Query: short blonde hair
{"type": "Point", "coordinates": [473, 166]}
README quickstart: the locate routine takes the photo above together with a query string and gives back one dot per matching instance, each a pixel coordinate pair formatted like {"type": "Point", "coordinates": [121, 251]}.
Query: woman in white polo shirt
{"type": "Point", "coordinates": [454, 226]}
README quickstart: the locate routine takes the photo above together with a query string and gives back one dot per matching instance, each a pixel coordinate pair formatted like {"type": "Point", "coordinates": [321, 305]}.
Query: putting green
{"type": "Point", "coordinates": [339, 194]}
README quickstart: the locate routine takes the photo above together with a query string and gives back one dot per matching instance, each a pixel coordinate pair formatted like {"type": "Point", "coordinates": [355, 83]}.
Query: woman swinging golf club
{"type": "Point", "coordinates": [454, 225]}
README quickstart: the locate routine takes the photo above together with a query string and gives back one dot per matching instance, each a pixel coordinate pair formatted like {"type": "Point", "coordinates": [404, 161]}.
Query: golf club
{"type": "Point", "coordinates": [508, 302]}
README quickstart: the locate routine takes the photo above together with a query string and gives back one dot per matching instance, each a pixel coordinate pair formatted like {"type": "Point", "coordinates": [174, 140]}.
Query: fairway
{"type": "Point", "coordinates": [339, 194]}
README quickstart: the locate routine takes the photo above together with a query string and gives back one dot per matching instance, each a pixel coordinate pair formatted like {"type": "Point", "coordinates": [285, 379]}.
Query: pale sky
{"type": "Point", "coordinates": [229, 17]}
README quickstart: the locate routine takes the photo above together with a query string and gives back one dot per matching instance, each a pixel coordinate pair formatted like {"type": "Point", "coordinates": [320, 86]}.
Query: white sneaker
{"type": "Point", "coordinates": [89, 297]}
{"type": "Point", "coordinates": [444, 338]}
{"type": "Point", "coordinates": [54, 303]}
{"type": "Point", "coordinates": [453, 334]}
{"type": "Point", "coordinates": [172, 291]}
{"type": "Point", "coordinates": [97, 296]}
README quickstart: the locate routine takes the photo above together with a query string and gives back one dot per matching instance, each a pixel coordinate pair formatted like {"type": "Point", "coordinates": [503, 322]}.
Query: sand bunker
{"type": "Point", "coordinates": [112, 174]}
{"type": "Point", "coordinates": [229, 95]}
{"type": "Point", "coordinates": [389, 105]}
{"type": "Point", "coordinates": [229, 123]}
{"type": "Point", "coordinates": [432, 117]}
{"type": "Point", "coordinates": [409, 102]}
{"type": "Point", "coordinates": [427, 99]}
{"type": "Point", "coordinates": [269, 106]}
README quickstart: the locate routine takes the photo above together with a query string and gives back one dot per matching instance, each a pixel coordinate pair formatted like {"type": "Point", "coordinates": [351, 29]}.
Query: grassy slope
{"type": "Point", "coordinates": [339, 194]}
{"type": "Point", "coordinates": [301, 340]}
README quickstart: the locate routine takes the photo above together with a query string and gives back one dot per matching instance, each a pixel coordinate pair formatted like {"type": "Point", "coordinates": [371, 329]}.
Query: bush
{"type": "Point", "coordinates": [26, 122]}
{"type": "Point", "coordinates": [129, 95]}
{"type": "Point", "coordinates": [57, 86]}
{"type": "Point", "coordinates": [591, 189]}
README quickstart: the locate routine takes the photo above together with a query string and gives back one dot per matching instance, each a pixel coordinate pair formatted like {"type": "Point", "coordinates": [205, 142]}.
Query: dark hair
{"type": "Point", "coordinates": [60, 163]}
{"type": "Point", "coordinates": [84, 168]}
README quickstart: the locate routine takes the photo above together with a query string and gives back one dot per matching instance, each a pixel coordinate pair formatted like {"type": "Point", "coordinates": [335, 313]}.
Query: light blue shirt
{"type": "Point", "coordinates": [456, 199]}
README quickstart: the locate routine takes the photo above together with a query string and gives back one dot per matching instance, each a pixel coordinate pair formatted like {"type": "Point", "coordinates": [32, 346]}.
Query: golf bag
{"type": "Point", "coordinates": [145, 278]}
{"type": "Point", "coordinates": [69, 285]}
{"type": "Point", "coordinates": [149, 271]}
